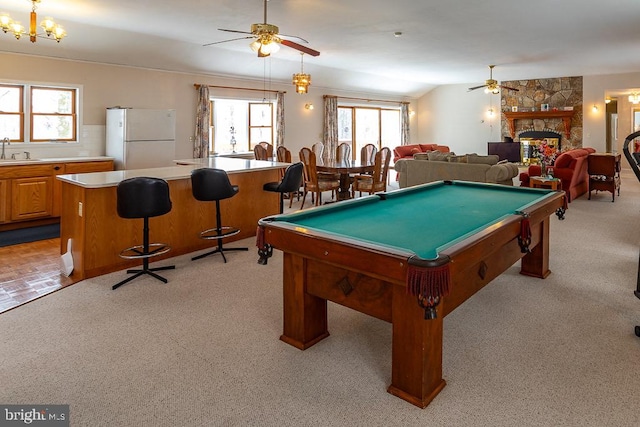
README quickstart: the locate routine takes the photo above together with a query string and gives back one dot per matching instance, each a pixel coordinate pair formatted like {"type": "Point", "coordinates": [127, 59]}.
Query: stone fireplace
{"type": "Point", "coordinates": [553, 104]}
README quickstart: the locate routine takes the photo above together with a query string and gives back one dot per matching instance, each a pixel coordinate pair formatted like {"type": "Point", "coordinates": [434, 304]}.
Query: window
{"type": "Point", "coordinates": [53, 114]}
{"type": "Point", "coordinates": [238, 125]}
{"type": "Point", "coordinates": [38, 113]}
{"type": "Point", "coordinates": [260, 123]}
{"type": "Point", "coordinates": [360, 126]}
{"type": "Point", "coordinates": [11, 113]}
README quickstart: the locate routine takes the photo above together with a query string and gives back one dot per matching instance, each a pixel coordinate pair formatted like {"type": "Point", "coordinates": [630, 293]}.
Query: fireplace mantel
{"type": "Point", "coordinates": [566, 117]}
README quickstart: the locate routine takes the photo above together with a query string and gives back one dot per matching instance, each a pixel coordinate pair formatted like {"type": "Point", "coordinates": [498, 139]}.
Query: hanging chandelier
{"type": "Point", "coordinates": [52, 30]}
{"type": "Point", "coordinates": [634, 98]}
{"type": "Point", "coordinates": [301, 80]}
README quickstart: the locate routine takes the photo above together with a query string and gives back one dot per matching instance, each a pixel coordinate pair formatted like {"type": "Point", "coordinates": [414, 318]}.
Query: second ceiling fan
{"type": "Point", "coordinates": [267, 38]}
{"type": "Point", "coordinates": [491, 85]}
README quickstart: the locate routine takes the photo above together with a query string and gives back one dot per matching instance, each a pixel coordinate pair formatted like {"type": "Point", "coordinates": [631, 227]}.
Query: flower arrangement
{"type": "Point", "coordinates": [545, 153]}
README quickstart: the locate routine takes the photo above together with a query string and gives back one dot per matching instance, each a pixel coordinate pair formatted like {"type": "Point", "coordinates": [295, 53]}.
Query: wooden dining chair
{"type": "Point", "coordinates": [311, 182]}
{"type": "Point", "coordinates": [260, 153]}
{"type": "Point", "coordinates": [318, 149]}
{"type": "Point", "coordinates": [267, 147]}
{"type": "Point", "coordinates": [376, 181]}
{"type": "Point", "coordinates": [343, 152]}
{"type": "Point", "coordinates": [283, 154]}
{"type": "Point", "coordinates": [368, 153]}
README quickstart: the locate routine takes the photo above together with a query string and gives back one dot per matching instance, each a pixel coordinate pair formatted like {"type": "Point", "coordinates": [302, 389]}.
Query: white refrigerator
{"type": "Point", "coordinates": [141, 138]}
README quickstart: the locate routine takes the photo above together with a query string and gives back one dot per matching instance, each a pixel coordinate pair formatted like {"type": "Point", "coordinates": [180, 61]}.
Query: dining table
{"type": "Point", "coordinates": [345, 168]}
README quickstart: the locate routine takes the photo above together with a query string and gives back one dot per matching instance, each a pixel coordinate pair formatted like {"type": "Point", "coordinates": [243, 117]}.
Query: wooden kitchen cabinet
{"type": "Point", "coordinates": [31, 193]}
{"type": "Point", "coordinates": [87, 167]}
{"type": "Point", "coordinates": [31, 198]}
{"type": "Point", "coordinates": [4, 201]}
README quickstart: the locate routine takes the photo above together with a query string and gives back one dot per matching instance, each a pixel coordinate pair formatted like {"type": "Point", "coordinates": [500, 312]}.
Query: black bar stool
{"type": "Point", "coordinates": [144, 198]}
{"type": "Point", "coordinates": [291, 182]}
{"type": "Point", "coordinates": [213, 185]}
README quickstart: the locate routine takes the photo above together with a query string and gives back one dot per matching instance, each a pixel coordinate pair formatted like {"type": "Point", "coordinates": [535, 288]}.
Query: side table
{"type": "Point", "coordinates": [543, 182]}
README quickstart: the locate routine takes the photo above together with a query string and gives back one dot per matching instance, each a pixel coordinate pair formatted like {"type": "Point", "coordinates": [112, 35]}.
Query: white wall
{"type": "Point", "coordinates": [450, 115]}
{"type": "Point", "coordinates": [596, 88]}
{"type": "Point", "coordinates": [108, 85]}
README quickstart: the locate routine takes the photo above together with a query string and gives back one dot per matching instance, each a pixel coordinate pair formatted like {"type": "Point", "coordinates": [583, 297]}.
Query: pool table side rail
{"type": "Point", "coordinates": [382, 262]}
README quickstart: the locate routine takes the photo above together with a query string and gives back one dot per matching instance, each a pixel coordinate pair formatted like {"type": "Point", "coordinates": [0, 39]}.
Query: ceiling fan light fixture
{"type": "Point", "coordinates": [255, 45]}
{"type": "Point", "coordinates": [267, 38]}
{"type": "Point", "coordinates": [264, 47]}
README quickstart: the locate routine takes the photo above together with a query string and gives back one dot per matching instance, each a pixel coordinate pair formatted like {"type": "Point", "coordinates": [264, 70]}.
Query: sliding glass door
{"type": "Point", "coordinates": [360, 126]}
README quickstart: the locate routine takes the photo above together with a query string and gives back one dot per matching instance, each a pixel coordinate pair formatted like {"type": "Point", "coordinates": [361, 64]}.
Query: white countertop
{"type": "Point", "coordinates": [181, 171]}
{"type": "Point", "coordinates": [20, 162]}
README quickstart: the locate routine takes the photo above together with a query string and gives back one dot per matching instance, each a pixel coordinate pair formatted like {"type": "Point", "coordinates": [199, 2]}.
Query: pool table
{"type": "Point", "coordinates": [409, 257]}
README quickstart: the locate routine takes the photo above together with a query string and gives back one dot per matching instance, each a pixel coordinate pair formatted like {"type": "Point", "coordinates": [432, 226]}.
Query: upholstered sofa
{"type": "Point", "coordinates": [570, 167]}
{"type": "Point", "coordinates": [407, 151]}
{"type": "Point", "coordinates": [469, 167]}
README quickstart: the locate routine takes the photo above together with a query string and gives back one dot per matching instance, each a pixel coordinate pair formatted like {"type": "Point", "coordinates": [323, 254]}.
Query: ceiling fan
{"type": "Point", "coordinates": [267, 38]}
{"type": "Point", "coordinates": [492, 85]}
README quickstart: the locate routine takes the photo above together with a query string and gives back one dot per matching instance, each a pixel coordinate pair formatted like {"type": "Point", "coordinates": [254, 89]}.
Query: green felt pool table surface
{"type": "Point", "coordinates": [424, 219]}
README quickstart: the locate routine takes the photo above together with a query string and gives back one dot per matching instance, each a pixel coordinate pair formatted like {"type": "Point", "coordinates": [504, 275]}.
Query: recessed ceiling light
{"type": "Point", "coordinates": [397, 34]}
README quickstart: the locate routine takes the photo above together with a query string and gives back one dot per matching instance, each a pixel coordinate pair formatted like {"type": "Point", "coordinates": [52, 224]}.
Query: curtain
{"type": "Point", "coordinates": [203, 123]}
{"type": "Point", "coordinates": [330, 127]}
{"type": "Point", "coordinates": [280, 119]}
{"type": "Point", "coordinates": [404, 123]}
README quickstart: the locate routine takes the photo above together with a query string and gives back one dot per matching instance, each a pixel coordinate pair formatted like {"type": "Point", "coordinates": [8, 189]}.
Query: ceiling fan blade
{"type": "Point", "coordinates": [299, 47]}
{"type": "Point", "coordinates": [510, 88]}
{"type": "Point", "coordinates": [476, 87]}
{"type": "Point", "coordinates": [230, 40]}
{"type": "Point", "coordinates": [235, 31]}
{"type": "Point", "coordinates": [294, 37]}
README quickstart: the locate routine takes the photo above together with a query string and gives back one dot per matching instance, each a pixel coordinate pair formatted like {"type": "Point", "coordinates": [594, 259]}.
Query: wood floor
{"type": "Point", "coordinates": [29, 271]}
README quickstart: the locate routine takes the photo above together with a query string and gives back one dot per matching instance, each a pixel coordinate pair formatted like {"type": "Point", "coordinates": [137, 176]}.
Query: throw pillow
{"type": "Point", "coordinates": [437, 156]}
{"type": "Point", "coordinates": [457, 159]}
{"type": "Point", "coordinates": [484, 160]}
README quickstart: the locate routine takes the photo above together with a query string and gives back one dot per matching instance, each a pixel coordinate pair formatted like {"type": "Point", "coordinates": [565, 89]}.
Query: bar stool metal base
{"type": "Point", "coordinates": [219, 234]}
{"type": "Point", "coordinates": [140, 252]}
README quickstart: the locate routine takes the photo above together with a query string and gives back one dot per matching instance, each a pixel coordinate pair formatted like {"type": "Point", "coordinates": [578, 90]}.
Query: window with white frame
{"type": "Point", "coordinates": [38, 113]}
{"type": "Point", "coordinates": [239, 125]}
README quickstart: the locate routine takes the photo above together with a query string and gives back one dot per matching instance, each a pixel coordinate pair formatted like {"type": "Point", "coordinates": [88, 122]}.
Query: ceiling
{"type": "Point", "coordinates": [442, 42]}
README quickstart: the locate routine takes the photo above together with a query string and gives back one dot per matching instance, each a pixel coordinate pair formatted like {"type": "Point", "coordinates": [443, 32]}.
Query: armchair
{"type": "Point", "coordinates": [571, 168]}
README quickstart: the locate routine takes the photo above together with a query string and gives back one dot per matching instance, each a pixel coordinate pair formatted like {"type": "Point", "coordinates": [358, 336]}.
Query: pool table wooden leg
{"type": "Point", "coordinates": [536, 262]}
{"type": "Point", "coordinates": [416, 367]}
{"type": "Point", "coordinates": [305, 316]}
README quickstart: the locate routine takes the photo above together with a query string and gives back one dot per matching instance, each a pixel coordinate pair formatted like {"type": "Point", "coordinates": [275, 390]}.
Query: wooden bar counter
{"type": "Point", "coordinates": [89, 215]}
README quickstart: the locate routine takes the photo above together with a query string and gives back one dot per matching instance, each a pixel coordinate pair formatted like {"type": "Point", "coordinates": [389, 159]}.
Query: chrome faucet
{"type": "Point", "coordinates": [4, 141]}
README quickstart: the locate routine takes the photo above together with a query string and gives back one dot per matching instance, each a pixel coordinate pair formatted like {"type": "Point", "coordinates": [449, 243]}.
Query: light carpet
{"type": "Point", "coordinates": [203, 350]}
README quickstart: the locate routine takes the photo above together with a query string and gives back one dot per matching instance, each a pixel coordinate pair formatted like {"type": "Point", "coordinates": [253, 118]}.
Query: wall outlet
{"type": "Point", "coordinates": [79, 208]}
